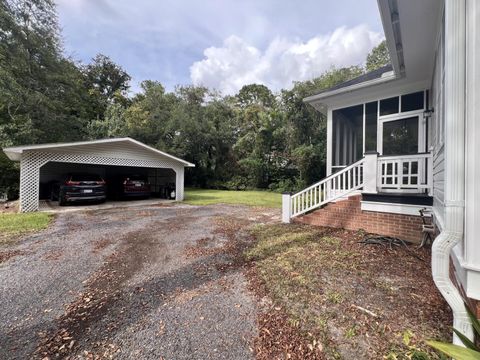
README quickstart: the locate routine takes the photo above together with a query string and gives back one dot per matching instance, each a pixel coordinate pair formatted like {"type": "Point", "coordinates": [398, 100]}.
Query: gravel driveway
{"type": "Point", "coordinates": [151, 282]}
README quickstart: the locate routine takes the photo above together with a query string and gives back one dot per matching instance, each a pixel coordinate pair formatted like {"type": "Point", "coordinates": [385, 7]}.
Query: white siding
{"type": "Point", "coordinates": [437, 97]}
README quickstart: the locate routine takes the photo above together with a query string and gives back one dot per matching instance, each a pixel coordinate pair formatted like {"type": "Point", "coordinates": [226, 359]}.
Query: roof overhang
{"type": "Point", "coordinates": [15, 153]}
{"type": "Point", "coordinates": [411, 32]}
{"type": "Point", "coordinates": [321, 101]}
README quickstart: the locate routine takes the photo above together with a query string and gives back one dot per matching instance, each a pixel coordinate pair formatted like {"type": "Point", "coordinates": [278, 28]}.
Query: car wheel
{"type": "Point", "coordinates": [61, 201]}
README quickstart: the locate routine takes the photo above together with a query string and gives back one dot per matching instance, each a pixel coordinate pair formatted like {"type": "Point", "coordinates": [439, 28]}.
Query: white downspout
{"type": "Point", "coordinates": [453, 231]}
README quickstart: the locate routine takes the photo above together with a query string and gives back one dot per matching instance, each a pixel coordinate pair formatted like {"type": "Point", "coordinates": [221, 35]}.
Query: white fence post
{"type": "Point", "coordinates": [286, 207]}
{"type": "Point", "coordinates": [370, 172]}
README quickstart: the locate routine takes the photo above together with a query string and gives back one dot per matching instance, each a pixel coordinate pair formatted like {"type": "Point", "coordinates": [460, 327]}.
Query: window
{"type": "Point", "coordinates": [371, 119]}
{"type": "Point", "coordinates": [389, 106]}
{"type": "Point", "coordinates": [400, 137]}
{"type": "Point", "coordinates": [411, 102]}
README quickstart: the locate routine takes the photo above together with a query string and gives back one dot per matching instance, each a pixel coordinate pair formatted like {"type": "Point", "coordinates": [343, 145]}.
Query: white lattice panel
{"type": "Point", "coordinates": [32, 162]}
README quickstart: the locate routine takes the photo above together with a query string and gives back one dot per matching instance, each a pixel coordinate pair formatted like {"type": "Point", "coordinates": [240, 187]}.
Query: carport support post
{"type": "Point", "coordinates": [29, 183]}
{"type": "Point", "coordinates": [179, 179]}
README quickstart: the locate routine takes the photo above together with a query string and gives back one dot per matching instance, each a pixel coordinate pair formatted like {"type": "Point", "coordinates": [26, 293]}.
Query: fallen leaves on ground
{"type": "Point", "coordinates": [8, 254]}
{"type": "Point", "coordinates": [357, 301]}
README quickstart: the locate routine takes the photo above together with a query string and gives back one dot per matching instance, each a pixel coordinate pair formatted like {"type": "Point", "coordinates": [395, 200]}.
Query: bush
{"type": "Point", "coordinates": [284, 185]}
{"type": "Point", "coordinates": [9, 177]}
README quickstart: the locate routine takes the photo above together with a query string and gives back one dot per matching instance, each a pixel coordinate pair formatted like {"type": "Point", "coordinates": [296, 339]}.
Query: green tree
{"type": "Point", "coordinates": [378, 57]}
{"type": "Point", "coordinates": [149, 117]}
{"type": "Point", "coordinates": [43, 98]}
{"type": "Point", "coordinates": [106, 83]}
{"type": "Point", "coordinates": [258, 124]}
{"type": "Point", "coordinates": [113, 125]}
{"type": "Point", "coordinates": [43, 94]}
{"type": "Point", "coordinates": [255, 94]}
{"type": "Point", "coordinates": [306, 128]}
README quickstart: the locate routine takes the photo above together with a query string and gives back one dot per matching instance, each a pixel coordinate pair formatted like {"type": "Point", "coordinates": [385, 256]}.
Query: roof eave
{"type": "Point", "coordinates": [394, 45]}
{"type": "Point", "coordinates": [314, 99]}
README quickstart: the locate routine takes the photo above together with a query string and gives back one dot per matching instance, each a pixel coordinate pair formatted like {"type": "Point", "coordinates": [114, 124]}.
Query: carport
{"type": "Point", "coordinates": [39, 164]}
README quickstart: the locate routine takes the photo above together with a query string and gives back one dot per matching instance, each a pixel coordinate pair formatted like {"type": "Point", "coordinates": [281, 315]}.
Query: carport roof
{"type": "Point", "coordinates": [15, 153]}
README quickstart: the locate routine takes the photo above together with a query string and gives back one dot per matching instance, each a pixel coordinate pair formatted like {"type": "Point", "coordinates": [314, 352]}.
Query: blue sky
{"type": "Point", "coordinates": [221, 44]}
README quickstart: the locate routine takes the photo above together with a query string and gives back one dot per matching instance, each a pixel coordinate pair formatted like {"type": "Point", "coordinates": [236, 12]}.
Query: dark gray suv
{"type": "Point", "coordinates": [79, 187]}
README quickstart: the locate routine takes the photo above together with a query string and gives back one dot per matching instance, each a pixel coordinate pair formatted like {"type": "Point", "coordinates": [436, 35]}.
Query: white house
{"type": "Point", "coordinates": [405, 137]}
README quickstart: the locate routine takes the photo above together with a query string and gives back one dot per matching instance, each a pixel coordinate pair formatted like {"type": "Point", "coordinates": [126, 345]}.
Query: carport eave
{"type": "Point", "coordinates": [15, 153]}
{"type": "Point", "coordinates": [14, 156]}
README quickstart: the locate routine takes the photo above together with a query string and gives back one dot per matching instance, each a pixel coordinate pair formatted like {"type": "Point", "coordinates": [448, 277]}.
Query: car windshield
{"type": "Point", "coordinates": [85, 177]}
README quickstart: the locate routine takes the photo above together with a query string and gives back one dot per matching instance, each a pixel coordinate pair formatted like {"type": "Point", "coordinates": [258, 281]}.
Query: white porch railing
{"type": "Point", "coordinates": [405, 173]}
{"type": "Point", "coordinates": [373, 173]}
{"type": "Point", "coordinates": [332, 187]}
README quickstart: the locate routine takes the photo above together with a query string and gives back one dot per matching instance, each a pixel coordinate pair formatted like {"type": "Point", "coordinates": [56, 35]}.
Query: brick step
{"type": "Point", "coordinates": [347, 214]}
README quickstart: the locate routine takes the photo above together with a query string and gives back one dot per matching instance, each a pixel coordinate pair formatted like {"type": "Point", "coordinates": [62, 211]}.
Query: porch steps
{"type": "Point", "coordinates": [336, 186]}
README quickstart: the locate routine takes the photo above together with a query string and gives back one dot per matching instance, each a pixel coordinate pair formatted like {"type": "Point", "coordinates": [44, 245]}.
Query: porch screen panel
{"type": "Point", "coordinates": [371, 121]}
{"type": "Point", "coordinates": [347, 141]}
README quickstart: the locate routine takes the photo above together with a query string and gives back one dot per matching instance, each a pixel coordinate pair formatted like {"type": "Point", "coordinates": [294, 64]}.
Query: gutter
{"type": "Point", "coordinates": [441, 249]}
{"type": "Point", "coordinates": [453, 233]}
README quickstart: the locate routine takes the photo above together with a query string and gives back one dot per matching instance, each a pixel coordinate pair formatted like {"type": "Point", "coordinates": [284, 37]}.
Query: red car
{"type": "Point", "coordinates": [128, 186]}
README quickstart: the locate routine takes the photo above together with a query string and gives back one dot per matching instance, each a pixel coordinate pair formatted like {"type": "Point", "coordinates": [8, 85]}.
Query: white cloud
{"type": "Point", "coordinates": [238, 63]}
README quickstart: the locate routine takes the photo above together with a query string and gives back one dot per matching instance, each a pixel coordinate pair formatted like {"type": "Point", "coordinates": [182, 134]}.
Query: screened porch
{"type": "Point", "coordinates": [395, 131]}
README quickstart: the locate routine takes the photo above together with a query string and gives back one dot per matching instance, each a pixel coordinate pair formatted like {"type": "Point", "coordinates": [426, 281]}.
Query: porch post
{"type": "Point", "coordinates": [329, 142]}
{"type": "Point", "coordinates": [370, 172]}
{"type": "Point", "coordinates": [286, 207]}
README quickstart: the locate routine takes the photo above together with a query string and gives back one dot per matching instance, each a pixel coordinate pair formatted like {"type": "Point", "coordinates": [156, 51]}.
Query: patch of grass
{"type": "Point", "coordinates": [351, 332]}
{"type": "Point", "coordinates": [251, 198]}
{"type": "Point", "coordinates": [335, 297]}
{"type": "Point", "coordinates": [17, 224]}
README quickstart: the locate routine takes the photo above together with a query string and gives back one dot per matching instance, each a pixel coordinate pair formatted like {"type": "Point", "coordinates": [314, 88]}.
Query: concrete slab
{"type": "Point", "coordinates": [53, 207]}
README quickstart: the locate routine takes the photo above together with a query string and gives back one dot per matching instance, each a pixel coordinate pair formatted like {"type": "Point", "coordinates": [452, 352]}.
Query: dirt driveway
{"type": "Point", "coordinates": [149, 282]}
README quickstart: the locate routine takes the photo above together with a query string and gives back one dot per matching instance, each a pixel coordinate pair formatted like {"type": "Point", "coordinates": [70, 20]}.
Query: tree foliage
{"type": "Point", "coordinates": [378, 57]}
{"type": "Point", "coordinates": [253, 139]}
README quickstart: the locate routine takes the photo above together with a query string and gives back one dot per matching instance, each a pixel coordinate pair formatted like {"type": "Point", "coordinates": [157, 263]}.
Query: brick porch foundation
{"type": "Point", "coordinates": [347, 214]}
